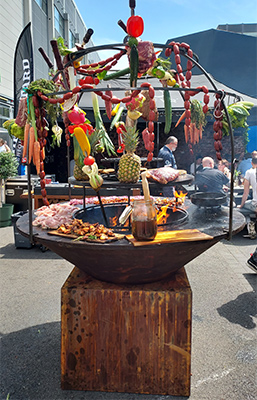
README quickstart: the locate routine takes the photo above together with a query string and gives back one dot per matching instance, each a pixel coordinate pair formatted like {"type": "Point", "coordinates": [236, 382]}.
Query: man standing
{"type": "Point", "coordinates": [248, 207]}
{"type": "Point", "coordinates": [166, 152]}
{"type": "Point", "coordinates": [210, 179]}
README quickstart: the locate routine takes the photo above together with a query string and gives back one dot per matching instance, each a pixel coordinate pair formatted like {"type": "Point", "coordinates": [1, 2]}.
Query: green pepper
{"type": "Point", "coordinates": [158, 72]}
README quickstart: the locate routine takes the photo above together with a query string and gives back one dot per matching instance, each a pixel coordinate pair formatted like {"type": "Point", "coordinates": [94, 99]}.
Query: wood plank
{"type": "Point", "coordinates": [186, 235]}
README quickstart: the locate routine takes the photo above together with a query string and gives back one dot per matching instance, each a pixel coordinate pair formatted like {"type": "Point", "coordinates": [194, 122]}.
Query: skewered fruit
{"type": "Point", "coordinates": [130, 163]}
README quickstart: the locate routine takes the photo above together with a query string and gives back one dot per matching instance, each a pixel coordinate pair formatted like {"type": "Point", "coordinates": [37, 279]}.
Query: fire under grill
{"type": "Point", "coordinates": [167, 217]}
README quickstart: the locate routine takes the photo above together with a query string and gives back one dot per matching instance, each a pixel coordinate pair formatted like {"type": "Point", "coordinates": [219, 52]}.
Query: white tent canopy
{"type": "Point", "coordinates": [176, 98]}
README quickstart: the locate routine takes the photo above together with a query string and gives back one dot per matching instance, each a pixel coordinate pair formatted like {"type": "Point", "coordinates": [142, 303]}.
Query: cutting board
{"type": "Point", "coordinates": [70, 236]}
{"type": "Point", "coordinates": [186, 235]}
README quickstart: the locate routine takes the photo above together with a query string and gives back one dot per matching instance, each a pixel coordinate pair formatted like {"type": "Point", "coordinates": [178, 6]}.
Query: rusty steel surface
{"type": "Point", "coordinates": [126, 338]}
{"type": "Point", "coordinates": [121, 262]}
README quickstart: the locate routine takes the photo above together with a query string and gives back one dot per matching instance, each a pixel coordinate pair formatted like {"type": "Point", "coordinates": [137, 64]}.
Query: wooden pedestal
{"type": "Point", "coordinates": [126, 338]}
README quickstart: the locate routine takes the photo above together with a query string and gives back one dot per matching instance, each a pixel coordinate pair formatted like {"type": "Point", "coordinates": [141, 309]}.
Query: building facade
{"type": "Point", "coordinates": [49, 19]}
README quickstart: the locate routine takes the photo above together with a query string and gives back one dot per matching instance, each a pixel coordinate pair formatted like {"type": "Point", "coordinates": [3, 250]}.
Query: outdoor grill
{"type": "Point", "coordinates": [121, 262]}
{"type": "Point", "coordinates": [93, 214]}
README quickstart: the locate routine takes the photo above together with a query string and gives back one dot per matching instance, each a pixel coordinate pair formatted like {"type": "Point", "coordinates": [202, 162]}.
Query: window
{"type": "Point", "coordinates": [42, 4]}
{"type": "Point", "coordinates": [5, 113]}
{"type": "Point", "coordinates": [72, 40]}
{"type": "Point", "coordinates": [58, 22]}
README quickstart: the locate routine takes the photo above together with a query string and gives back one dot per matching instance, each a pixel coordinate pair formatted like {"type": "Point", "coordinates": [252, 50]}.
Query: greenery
{"type": "Point", "coordinates": [8, 165]}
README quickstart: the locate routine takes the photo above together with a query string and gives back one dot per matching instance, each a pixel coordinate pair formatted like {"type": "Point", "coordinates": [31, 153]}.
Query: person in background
{"type": "Point", "coordinates": [252, 262]}
{"type": "Point", "coordinates": [248, 207]}
{"type": "Point", "coordinates": [197, 166]}
{"type": "Point", "coordinates": [210, 179]}
{"type": "Point", "coordinates": [166, 152]}
{"type": "Point", "coordinates": [223, 166]}
{"type": "Point", "coordinates": [245, 164]}
{"type": "Point", "coordinates": [4, 147]}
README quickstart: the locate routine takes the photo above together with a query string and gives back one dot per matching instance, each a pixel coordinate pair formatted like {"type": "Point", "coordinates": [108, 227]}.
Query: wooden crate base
{"type": "Point", "coordinates": [126, 338]}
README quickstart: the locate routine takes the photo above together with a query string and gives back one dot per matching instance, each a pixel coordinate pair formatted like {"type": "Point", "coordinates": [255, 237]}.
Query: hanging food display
{"type": "Point", "coordinates": [58, 97]}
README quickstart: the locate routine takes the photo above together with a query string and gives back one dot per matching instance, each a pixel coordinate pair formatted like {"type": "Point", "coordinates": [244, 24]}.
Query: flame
{"type": "Point", "coordinates": [180, 199]}
{"type": "Point", "coordinates": [162, 215]}
{"type": "Point", "coordinates": [113, 221]}
{"type": "Point", "coordinates": [180, 195]}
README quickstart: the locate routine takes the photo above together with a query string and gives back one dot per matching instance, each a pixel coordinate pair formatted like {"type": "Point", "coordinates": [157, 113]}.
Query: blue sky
{"type": "Point", "coordinates": [164, 19]}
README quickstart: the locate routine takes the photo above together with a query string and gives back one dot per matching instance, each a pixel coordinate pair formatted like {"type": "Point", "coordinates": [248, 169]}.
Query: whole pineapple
{"type": "Point", "coordinates": [79, 164]}
{"type": "Point", "coordinates": [130, 163]}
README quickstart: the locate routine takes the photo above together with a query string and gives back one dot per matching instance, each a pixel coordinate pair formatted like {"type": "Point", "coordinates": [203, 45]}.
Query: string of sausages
{"type": "Point", "coordinates": [217, 125]}
{"type": "Point", "coordinates": [111, 61]}
{"type": "Point", "coordinates": [148, 133]}
{"type": "Point", "coordinates": [42, 134]}
{"type": "Point", "coordinates": [185, 82]}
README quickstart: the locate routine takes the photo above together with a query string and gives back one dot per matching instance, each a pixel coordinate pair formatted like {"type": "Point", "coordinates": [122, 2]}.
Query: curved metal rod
{"type": "Point", "coordinates": [120, 46]}
{"type": "Point", "coordinates": [231, 141]}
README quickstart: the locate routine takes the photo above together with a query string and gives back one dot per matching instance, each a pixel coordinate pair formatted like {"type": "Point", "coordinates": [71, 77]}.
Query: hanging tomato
{"type": "Point", "coordinates": [135, 26]}
{"type": "Point", "coordinates": [89, 160]}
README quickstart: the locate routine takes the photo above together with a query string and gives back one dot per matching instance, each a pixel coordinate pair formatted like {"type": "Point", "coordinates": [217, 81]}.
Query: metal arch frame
{"type": "Point", "coordinates": [194, 60]}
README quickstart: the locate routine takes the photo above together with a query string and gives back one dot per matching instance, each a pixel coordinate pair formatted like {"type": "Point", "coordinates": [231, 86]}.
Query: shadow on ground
{"type": "Point", "coordinates": [36, 252]}
{"type": "Point", "coordinates": [30, 368]}
{"type": "Point", "coordinates": [242, 310]}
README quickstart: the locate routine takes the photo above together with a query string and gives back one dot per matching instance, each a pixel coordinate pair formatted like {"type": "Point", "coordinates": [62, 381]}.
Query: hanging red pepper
{"type": "Point", "coordinates": [135, 26]}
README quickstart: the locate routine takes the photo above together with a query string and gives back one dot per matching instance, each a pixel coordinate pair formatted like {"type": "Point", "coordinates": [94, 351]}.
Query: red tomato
{"type": "Point", "coordinates": [89, 160]}
{"type": "Point", "coordinates": [135, 26]}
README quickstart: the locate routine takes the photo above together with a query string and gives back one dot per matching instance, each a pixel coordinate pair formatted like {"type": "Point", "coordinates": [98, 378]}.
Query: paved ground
{"type": "Point", "coordinates": [224, 346]}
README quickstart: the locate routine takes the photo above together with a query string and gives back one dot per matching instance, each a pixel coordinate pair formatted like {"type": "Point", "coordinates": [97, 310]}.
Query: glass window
{"type": "Point", "coordinates": [72, 40]}
{"type": "Point", "coordinates": [42, 4]}
{"type": "Point", "coordinates": [58, 22]}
